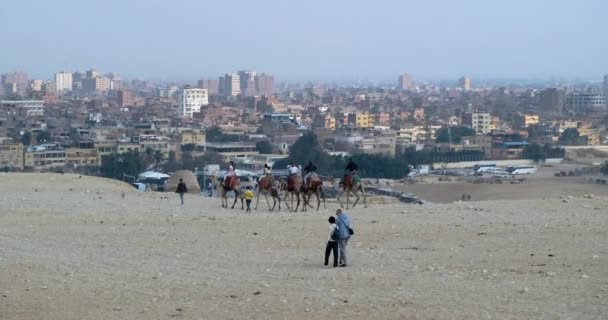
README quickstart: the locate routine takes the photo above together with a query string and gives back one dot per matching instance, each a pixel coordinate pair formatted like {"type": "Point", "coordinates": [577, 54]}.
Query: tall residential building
{"type": "Point", "coordinates": [212, 86]}
{"type": "Point", "coordinates": [232, 84]}
{"type": "Point", "coordinates": [97, 85]}
{"type": "Point", "coordinates": [586, 102]}
{"type": "Point", "coordinates": [465, 83]}
{"type": "Point", "coordinates": [63, 81]}
{"type": "Point", "coordinates": [15, 82]}
{"type": "Point", "coordinates": [220, 86]}
{"type": "Point", "coordinates": [479, 121]}
{"type": "Point", "coordinates": [405, 82]}
{"type": "Point", "coordinates": [552, 99]}
{"type": "Point", "coordinates": [191, 100]}
{"type": "Point", "coordinates": [36, 85]}
{"type": "Point", "coordinates": [115, 80]}
{"type": "Point", "coordinates": [605, 86]}
{"type": "Point", "coordinates": [247, 82]}
{"type": "Point", "coordinates": [92, 74]}
{"type": "Point", "coordinates": [264, 84]}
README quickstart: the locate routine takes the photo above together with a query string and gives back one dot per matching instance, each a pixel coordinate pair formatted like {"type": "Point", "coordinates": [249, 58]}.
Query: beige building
{"type": "Point", "coordinates": [464, 83]}
{"type": "Point", "coordinates": [81, 157]}
{"type": "Point", "coordinates": [195, 137]}
{"type": "Point", "coordinates": [479, 121]}
{"type": "Point", "coordinates": [525, 120]}
{"type": "Point", "coordinates": [11, 155]}
{"type": "Point", "coordinates": [232, 150]}
{"type": "Point", "coordinates": [45, 157]}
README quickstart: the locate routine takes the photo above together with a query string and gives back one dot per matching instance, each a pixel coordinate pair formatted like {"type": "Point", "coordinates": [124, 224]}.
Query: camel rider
{"type": "Point", "coordinates": [267, 170]}
{"type": "Point", "coordinates": [309, 169]}
{"type": "Point", "coordinates": [351, 167]}
{"type": "Point", "coordinates": [231, 171]}
{"type": "Point", "coordinates": [293, 170]}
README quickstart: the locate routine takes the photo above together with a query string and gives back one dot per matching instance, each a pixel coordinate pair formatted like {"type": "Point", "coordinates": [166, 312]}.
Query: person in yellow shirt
{"type": "Point", "coordinates": [248, 198]}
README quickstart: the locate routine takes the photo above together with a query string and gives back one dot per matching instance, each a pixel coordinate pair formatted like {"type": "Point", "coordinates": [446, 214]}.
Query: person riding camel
{"type": "Point", "coordinates": [267, 170]}
{"type": "Point", "coordinates": [267, 176]}
{"type": "Point", "coordinates": [350, 172]}
{"type": "Point", "coordinates": [309, 169]}
{"type": "Point", "coordinates": [230, 174]}
{"type": "Point", "coordinates": [351, 167]}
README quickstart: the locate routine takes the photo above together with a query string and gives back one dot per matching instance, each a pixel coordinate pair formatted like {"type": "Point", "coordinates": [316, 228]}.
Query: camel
{"type": "Point", "coordinates": [350, 186]}
{"type": "Point", "coordinates": [266, 186]}
{"type": "Point", "coordinates": [315, 186]}
{"type": "Point", "coordinates": [294, 189]}
{"type": "Point", "coordinates": [236, 187]}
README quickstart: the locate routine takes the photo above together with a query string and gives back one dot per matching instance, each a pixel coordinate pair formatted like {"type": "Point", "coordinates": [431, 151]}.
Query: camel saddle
{"type": "Point", "coordinates": [231, 182]}
{"type": "Point", "coordinates": [265, 183]}
{"type": "Point", "coordinates": [292, 180]}
{"type": "Point", "coordinates": [347, 181]}
{"type": "Point", "coordinates": [314, 181]}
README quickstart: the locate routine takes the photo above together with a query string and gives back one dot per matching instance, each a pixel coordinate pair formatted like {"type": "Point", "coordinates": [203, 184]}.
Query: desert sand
{"type": "Point", "coordinates": [73, 248]}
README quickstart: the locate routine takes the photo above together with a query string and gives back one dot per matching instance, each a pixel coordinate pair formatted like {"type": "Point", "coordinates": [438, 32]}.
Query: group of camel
{"type": "Point", "coordinates": [295, 188]}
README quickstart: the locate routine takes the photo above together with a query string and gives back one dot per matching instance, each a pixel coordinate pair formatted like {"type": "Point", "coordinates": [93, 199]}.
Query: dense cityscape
{"type": "Point", "coordinates": [75, 120]}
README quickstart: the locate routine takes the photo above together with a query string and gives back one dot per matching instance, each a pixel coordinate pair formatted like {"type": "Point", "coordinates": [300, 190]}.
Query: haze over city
{"type": "Point", "coordinates": [309, 40]}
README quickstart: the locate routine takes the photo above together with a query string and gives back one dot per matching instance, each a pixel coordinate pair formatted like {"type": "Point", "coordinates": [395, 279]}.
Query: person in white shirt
{"type": "Point", "coordinates": [332, 241]}
{"type": "Point", "coordinates": [293, 170]}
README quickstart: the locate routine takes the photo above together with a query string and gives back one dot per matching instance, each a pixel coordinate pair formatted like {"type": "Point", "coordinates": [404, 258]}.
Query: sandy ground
{"type": "Point", "coordinates": [542, 185]}
{"type": "Point", "coordinates": [73, 248]}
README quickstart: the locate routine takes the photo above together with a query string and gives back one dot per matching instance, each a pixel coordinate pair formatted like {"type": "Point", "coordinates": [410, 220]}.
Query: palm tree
{"type": "Point", "coordinates": [158, 157]}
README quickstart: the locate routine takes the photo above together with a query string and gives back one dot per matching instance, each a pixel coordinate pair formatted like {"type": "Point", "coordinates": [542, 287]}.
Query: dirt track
{"type": "Point", "coordinates": [73, 248]}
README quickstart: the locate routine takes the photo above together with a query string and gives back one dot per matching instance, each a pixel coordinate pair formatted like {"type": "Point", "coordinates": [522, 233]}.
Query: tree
{"type": "Point", "coordinates": [172, 164]}
{"type": "Point", "coordinates": [215, 134]}
{"type": "Point", "coordinates": [264, 147]}
{"type": "Point", "coordinates": [158, 157]}
{"type": "Point", "coordinates": [189, 147]}
{"type": "Point", "coordinates": [534, 152]}
{"type": "Point", "coordinates": [570, 136]}
{"type": "Point", "coordinates": [26, 138]}
{"type": "Point", "coordinates": [604, 168]}
{"type": "Point", "coordinates": [43, 136]}
{"type": "Point", "coordinates": [454, 134]}
{"type": "Point", "coordinates": [115, 165]}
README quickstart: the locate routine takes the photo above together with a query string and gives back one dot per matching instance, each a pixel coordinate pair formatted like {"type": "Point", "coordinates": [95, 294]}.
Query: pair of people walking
{"type": "Point", "coordinates": [340, 232]}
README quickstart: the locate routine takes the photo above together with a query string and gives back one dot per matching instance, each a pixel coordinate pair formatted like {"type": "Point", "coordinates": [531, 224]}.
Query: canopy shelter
{"type": "Point", "coordinates": [152, 175]}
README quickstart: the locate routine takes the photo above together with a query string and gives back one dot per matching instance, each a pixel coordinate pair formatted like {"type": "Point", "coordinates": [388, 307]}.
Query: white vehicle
{"type": "Point", "coordinates": [480, 168]}
{"type": "Point", "coordinates": [501, 174]}
{"type": "Point", "coordinates": [521, 170]}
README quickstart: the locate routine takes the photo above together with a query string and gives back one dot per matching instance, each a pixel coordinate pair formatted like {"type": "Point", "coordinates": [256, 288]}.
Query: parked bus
{"type": "Point", "coordinates": [480, 168]}
{"type": "Point", "coordinates": [521, 170]}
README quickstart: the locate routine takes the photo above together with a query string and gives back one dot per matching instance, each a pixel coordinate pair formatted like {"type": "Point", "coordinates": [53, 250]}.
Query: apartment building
{"type": "Point", "coordinates": [11, 155]}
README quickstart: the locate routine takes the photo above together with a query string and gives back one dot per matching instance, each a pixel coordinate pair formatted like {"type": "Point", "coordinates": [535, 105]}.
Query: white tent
{"type": "Point", "coordinates": [152, 175]}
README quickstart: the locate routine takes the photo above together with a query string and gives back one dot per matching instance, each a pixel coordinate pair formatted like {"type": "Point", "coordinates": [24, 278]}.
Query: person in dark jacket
{"type": "Point", "coordinates": [351, 166]}
{"type": "Point", "coordinates": [181, 189]}
{"type": "Point", "coordinates": [309, 169]}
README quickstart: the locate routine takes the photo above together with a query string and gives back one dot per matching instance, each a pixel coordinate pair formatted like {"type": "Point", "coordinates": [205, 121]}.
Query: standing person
{"type": "Point", "coordinates": [181, 189]}
{"type": "Point", "coordinates": [332, 241]}
{"type": "Point", "coordinates": [248, 198]}
{"type": "Point", "coordinates": [344, 230]}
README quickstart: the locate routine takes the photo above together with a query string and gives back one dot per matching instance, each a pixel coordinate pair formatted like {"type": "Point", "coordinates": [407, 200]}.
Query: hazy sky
{"type": "Point", "coordinates": [320, 39]}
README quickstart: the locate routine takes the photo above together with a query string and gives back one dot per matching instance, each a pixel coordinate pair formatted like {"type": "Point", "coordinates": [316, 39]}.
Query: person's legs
{"type": "Point", "coordinates": [336, 252]}
{"type": "Point", "coordinates": [248, 205]}
{"type": "Point", "coordinates": [343, 254]}
{"type": "Point", "coordinates": [181, 197]}
{"type": "Point", "coordinates": [328, 248]}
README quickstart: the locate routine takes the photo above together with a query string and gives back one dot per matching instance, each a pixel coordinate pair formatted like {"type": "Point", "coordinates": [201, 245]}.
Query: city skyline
{"type": "Point", "coordinates": [187, 40]}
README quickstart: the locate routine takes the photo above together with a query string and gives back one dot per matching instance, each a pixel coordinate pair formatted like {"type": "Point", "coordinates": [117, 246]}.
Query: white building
{"type": "Point", "coordinates": [63, 81]}
{"type": "Point", "coordinates": [191, 100]}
